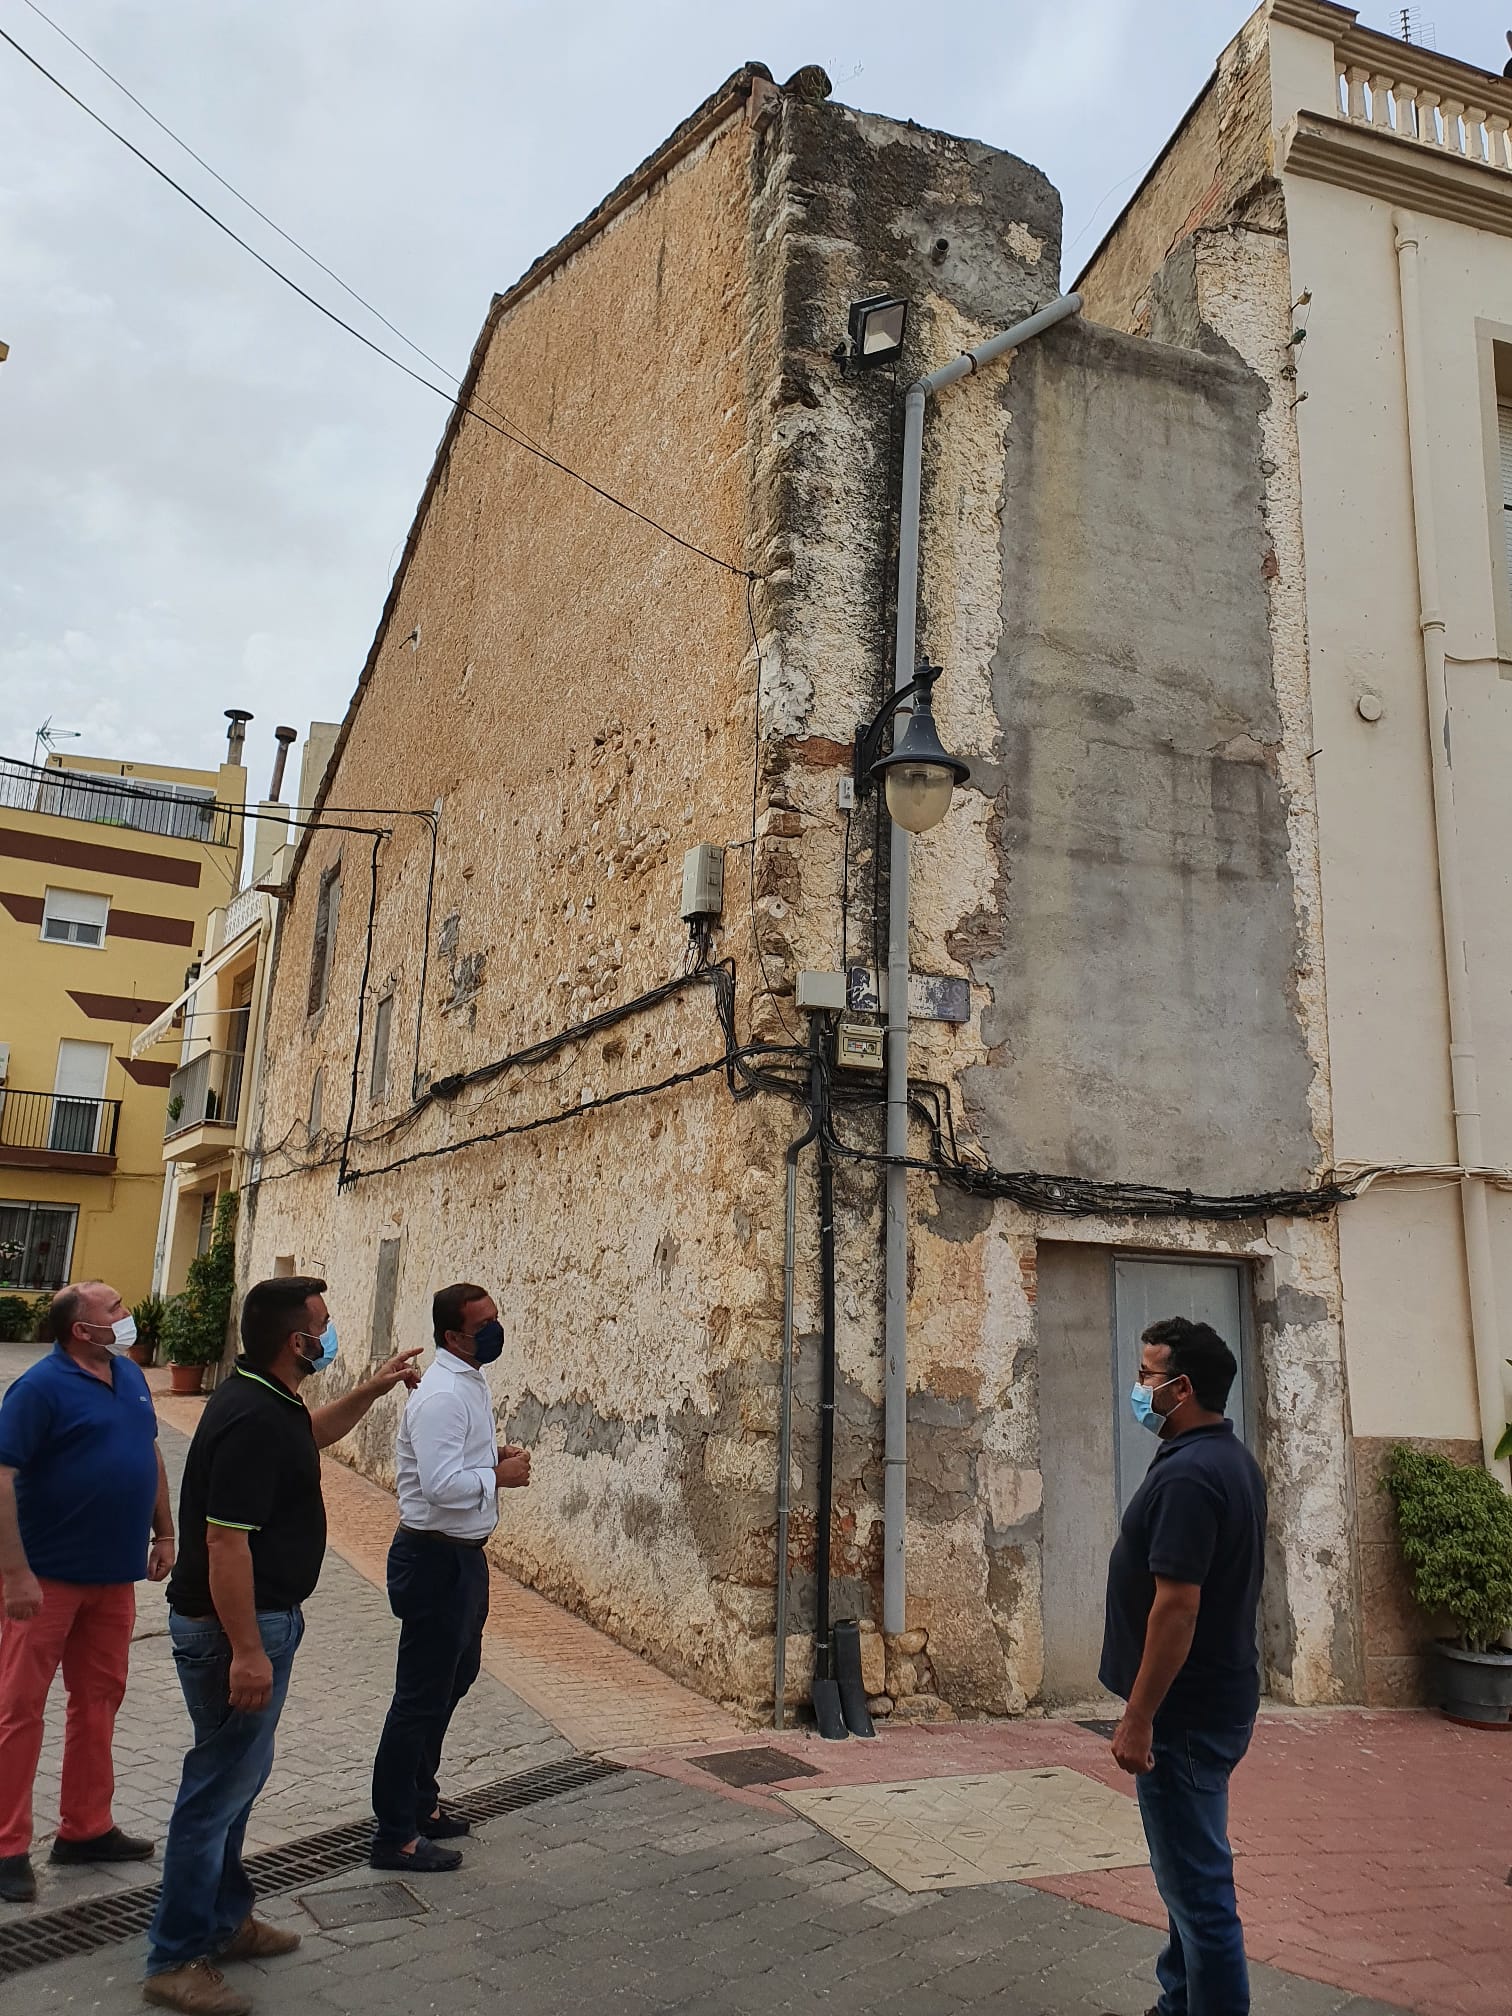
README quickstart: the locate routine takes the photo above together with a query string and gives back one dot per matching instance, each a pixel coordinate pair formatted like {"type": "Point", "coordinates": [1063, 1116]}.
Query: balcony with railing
{"type": "Point", "coordinates": [56, 1130]}
{"type": "Point", "coordinates": [204, 1103]}
{"type": "Point", "coordinates": [1395, 121]}
{"type": "Point", "coordinates": [171, 811]}
{"type": "Point", "coordinates": [1463, 120]}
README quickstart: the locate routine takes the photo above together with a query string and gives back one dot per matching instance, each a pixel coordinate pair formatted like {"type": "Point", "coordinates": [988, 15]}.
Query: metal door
{"type": "Point", "coordinates": [1144, 1292]}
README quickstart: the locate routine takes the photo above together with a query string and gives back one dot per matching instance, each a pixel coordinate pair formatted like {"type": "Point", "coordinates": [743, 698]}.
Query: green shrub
{"type": "Point", "coordinates": [1455, 1523]}
{"type": "Point", "coordinates": [194, 1323]}
{"type": "Point", "coordinates": [19, 1316]}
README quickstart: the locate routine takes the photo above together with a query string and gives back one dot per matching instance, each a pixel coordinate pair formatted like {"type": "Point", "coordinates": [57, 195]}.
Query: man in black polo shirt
{"type": "Point", "coordinates": [1181, 1648]}
{"type": "Point", "coordinates": [252, 1537]}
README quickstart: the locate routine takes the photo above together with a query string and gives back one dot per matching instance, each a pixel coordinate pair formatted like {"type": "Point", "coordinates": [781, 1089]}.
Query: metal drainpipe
{"type": "Point", "coordinates": [895, 1333]}
{"type": "Point", "coordinates": [1463, 1064]}
{"type": "Point", "coordinates": [785, 1415]}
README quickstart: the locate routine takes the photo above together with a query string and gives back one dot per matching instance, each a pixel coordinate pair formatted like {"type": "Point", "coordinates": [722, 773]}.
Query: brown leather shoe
{"type": "Point", "coordinates": [196, 1990]}
{"type": "Point", "coordinates": [254, 1940]}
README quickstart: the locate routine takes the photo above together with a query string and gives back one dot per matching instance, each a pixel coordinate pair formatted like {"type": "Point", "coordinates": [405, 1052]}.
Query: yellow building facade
{"type": "Point", "coordinates": [108, 874]}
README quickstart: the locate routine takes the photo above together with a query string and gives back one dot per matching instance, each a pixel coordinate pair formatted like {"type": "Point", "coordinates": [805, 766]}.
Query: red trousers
{"type": "Point", "coordinates": [85, 1629]}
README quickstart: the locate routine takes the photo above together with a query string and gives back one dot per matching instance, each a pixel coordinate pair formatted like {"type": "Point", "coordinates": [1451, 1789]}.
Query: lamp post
{"type": "Point", "coordinates": [919, 775]}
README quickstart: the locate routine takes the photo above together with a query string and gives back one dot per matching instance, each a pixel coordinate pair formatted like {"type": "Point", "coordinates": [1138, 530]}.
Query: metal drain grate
{"type": "Point", "coordinates": [102, 1921]}
{"type": "Point", "coordinates": [764, 1765]}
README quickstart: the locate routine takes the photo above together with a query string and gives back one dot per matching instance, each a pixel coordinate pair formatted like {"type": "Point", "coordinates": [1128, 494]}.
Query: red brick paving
{"type": "Point", "coordinates": [1372, 1849]}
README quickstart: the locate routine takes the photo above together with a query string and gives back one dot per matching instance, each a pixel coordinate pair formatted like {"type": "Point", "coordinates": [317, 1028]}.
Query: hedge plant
{"type": "Point", "coordinates": [1455, 1524]}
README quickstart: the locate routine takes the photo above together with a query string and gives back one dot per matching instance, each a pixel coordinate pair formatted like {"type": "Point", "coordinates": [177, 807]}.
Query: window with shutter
{"type": "Point", "coordinates": [383, 1015]}
{"type": "Point", "coordinates": [327, 908]}
{"type": "Point", "coordinates": [73, 917]}
{"type": "Point", "coordinates": [1504, 432]}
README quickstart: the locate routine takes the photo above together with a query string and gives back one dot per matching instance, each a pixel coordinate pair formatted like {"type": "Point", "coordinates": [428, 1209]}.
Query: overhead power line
{"type": "Point", "coordinates": [506, 431]}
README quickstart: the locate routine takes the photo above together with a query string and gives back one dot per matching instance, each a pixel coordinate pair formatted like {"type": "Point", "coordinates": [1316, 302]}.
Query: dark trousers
{"type": "Point", "coordinates": [1184, 1805]}
{"type": "Point", "coordinates": [439, 1593]}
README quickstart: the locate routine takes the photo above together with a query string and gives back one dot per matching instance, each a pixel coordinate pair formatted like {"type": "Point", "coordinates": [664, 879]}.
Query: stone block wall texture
{"type": "Point", "coordinates": [581, 699]}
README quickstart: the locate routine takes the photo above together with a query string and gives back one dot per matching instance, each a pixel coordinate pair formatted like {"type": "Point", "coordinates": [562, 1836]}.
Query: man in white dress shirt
{"type": "Point", "coordinates": [450, 1472]}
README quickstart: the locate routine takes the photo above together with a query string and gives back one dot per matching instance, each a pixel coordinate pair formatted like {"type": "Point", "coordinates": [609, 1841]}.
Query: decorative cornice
{"type": "Point", "coordinates": [1397, 171]}
{"type": "Point", "coordinates": [1317, 17]}
{"type": "Point", "coordinates": [1386, 55]}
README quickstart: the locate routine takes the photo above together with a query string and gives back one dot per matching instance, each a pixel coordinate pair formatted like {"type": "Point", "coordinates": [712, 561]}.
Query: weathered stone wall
{"type": "Point", "coordinates": [573, 692]}
{"type": "Point", "coordinates": [576, 695]}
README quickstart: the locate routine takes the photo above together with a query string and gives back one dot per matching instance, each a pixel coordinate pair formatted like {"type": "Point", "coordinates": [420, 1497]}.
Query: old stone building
{"type": "Point", "coordinates": [565, 695]}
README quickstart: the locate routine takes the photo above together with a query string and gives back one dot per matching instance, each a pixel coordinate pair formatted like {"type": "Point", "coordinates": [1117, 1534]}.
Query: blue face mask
{"type": "Point", "coordinates": [327, 1353]}
{"type": "Point", "coordinates": [1142, 1405]}
{"type": "Point", "coordinates": [487, 1343]}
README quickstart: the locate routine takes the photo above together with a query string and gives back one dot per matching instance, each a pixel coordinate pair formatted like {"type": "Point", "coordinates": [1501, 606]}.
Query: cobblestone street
{"type": "Point", "coordinates": [660, 1889]}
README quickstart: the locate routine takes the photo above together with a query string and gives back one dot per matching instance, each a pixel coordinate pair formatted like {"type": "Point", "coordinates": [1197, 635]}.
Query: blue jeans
{"type": "Point", "coordinates": [439, 1593]}
{"type": "Point", "coordinates": [205, 1895]}
{"type": "Point", "coordinates": [1184, 1805]}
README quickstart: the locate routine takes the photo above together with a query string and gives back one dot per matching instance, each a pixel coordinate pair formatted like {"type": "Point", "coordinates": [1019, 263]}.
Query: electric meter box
{"type": "Point", "coordinates": [703, 883]}
{"type": "Point", "coordinates": [861, 1046]}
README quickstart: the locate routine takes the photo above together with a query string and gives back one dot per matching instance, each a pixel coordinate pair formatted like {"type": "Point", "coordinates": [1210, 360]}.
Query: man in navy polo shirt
{"type": "Point", "coordinates": [84, 1514]}
{"type": "Point", "coordinates": [1181, 1647]}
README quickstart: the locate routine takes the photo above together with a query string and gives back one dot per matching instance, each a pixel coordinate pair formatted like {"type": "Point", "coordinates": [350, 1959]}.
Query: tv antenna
{"type": "Point", "coordinates": [47, 737]}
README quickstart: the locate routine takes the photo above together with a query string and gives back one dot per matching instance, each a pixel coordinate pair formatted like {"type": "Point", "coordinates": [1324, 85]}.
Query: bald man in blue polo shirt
{"type": "Point", "coordinates": [84, 1514]}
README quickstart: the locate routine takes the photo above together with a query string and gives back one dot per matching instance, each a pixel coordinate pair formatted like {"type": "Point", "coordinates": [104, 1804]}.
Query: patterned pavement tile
{"type": "Point", "coordinates": [993, 1827]}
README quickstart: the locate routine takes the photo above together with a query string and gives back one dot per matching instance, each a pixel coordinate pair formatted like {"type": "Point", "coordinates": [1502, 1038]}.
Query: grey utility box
{"type": "Point", "coordinates": [703, 883]}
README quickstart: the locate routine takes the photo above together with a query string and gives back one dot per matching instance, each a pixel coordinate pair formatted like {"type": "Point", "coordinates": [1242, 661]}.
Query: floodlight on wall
{"type": "Point", "coordinates": [877, 327]}
{"type": "Point", "coordinates": [919, 775]}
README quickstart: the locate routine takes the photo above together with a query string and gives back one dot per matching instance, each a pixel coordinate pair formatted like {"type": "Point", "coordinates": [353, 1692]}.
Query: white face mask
{"type": "Point", "coordinates": [122, 1336]}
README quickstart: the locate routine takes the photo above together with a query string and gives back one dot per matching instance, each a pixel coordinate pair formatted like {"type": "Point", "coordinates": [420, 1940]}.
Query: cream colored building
{"type": "Point", "coordinates": [218, 1019]}
{"type": "Point", "coordinates": [1337, 208]}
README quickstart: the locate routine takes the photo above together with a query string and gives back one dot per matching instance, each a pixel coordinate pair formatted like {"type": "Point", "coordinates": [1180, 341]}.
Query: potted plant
{"type": "Point", "coordinates": [1455, 1525]}
{"type": "Point", "coordinates": [148, 1317]}
{"type": "Point", "coordinates": [175, 1106]}
{"type": "Point", "coordinates": [195, 1322]}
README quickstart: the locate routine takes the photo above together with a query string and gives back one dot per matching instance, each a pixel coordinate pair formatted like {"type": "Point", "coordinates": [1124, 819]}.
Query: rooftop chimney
{"type": "Point", "coordinates": [283, 737]}
{"type": "Point", "coordinates": [236, 734]}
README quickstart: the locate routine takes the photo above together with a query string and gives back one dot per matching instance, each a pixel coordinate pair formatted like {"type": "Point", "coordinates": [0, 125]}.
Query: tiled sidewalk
{"type": "Point", "coordinates": [1373, 1849]}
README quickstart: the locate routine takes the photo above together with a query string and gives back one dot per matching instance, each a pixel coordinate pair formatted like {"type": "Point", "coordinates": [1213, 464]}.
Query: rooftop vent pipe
{"type": "Point", "coordinates": [283, 737]}
{"type": "Point", "coordinates": [236, 734]}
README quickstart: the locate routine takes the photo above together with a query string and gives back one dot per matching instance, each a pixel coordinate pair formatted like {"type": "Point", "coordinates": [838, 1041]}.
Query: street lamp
{"type": "Point", "coordinates": [919, 775]}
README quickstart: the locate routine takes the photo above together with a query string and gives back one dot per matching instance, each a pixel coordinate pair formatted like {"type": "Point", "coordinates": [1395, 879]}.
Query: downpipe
{"type": "Point", "coordinates": [895, 1329]}
{"type": "Point", "coordinates": [785, 1410]}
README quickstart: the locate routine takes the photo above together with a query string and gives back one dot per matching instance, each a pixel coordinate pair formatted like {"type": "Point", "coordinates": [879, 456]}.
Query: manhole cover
{"type": "Point", "coordinates": [332, 1909]}
{"type": "Point", "coordinates": [763, 1766]}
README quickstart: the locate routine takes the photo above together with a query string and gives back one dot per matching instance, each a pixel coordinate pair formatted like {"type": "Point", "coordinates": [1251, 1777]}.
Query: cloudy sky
{"type": "Point", "coordinates": [204, 486]}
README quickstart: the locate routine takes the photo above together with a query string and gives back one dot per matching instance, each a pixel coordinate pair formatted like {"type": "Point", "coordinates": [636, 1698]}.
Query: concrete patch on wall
{"type": "Point", "coordinates": [1143, 1009]}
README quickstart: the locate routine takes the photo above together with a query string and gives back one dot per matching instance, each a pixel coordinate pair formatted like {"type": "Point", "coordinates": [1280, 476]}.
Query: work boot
{"type": "Point", "coordinates": [424, 1859]}
{"type": "Point", "coordinates": [197, 1989]}
{"type": "Point", "coordinates": [111, 1846]}
{"type": "Point", "coordinates": [253, 1940]}
{"type": "Point", "coordinates": [18, 1880]}
{"type": "Point", "coordinates": [444, 1826]}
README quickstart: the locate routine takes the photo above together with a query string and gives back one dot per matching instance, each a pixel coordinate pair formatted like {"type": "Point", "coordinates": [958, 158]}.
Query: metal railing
{"type": "Point", "coordinates": [58, 1123]}
{"type": "Point", "coordinates": [172, 811]}
{"type": "Point", "coordinates": [205, 1092]}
